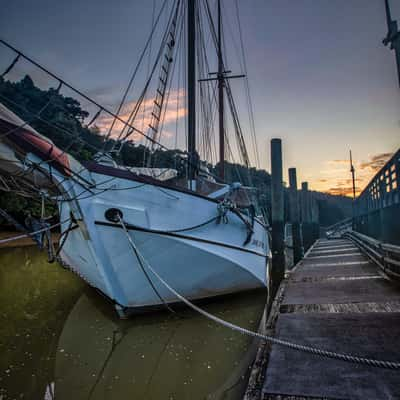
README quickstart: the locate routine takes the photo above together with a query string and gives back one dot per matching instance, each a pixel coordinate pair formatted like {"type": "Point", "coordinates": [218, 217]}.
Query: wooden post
{"type": "Point", "coordinates": [277, 208]}
{"type": "Point", "coordinates": [305, 216]}
{"type": "Point", "coordinates": [295, 216]}
{"type": "Point", "coordinates": [314, 219]}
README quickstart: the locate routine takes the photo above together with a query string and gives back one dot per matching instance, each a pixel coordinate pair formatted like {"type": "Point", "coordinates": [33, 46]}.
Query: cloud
{"type": "Point", "coordinates": [338, 162]}
{"type": "Point", "coordinates": [341, 191]}
{"type": "Point", "coordinates": [336, 177]}
{"type": "Point", "coordinates": [376, 162]}
{"type": "Point", "coordinates": [107, 95]}
{"type": "Point", "coordinates": [175, 111]}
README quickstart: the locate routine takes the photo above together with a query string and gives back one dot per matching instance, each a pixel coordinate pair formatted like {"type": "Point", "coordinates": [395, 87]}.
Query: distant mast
{"type": "Point", "coordinates": [352, 170]}
{"type": "Point", "coordinates": [191, 98]}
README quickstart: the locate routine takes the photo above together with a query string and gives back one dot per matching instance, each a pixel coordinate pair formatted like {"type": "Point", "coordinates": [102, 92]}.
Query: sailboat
{"type": "Point", "coordinates": [205, 238]}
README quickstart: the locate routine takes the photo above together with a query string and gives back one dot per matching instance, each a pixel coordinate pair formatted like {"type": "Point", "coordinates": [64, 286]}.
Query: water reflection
{"type": "Point", "coordinates": [84, 352]}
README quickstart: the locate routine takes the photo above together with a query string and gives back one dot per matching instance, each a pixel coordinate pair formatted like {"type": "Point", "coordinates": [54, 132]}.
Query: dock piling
{"type": "Point", "coordinates": [306, 225]}
{"type": "Point", "coordinates": [277, 208]}
{"type": "Point", "coordinates": [295, 216]}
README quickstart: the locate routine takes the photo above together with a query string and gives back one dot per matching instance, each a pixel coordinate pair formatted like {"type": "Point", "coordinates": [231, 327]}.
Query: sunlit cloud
{"type": "Point", "coordinates": [336, 175]}
{"type": "Point", "coordinates": [376, 162]}
{"type": "Point", "coordinates": [175, 111]}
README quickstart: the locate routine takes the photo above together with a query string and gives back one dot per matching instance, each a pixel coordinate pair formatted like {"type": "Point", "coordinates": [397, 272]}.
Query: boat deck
{"type": "Point", "coordinates": [335, 299]}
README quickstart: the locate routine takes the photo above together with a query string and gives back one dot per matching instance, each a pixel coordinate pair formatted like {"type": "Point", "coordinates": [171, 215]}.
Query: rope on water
{"type": "Point", "coordinates": [294, 346]}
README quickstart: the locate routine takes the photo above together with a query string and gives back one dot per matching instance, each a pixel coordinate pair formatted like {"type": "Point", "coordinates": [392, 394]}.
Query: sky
{"type": "Point", "coordinates": [319, 76]}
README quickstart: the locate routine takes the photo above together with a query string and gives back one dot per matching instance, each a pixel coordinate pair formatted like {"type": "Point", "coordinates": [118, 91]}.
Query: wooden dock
{"type": "Point", "coordinates": [335, 299]}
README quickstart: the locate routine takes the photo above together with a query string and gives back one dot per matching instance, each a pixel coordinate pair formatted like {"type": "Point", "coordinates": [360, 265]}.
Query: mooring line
{"type": "Point", "coordinates": [295, 346]}
{"type": "Point", "coordinates": [10, 239]}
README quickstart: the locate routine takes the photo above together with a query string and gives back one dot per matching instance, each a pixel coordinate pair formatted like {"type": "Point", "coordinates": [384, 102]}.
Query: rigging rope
{"type": "Point", "coordinates": [11, 66]}
{"type": "Point", "coordinates": [139, 258]}
{"type": "Point", "coordinates": [248, 96]}
{"type": "Point", "coordinates": [125, 123]}
{"type": "Point", "coordinates": [35, 116]}
{"type": "Point", "coordinates": [136, 108]}
{"type": "Point", "coordinates": [149, 40]}
{"type": "Point", "coordinates": [94, 118]}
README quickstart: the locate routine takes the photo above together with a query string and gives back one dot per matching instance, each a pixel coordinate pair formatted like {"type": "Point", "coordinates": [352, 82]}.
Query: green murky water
{"type": "Point", "coordinates": [59, 339]}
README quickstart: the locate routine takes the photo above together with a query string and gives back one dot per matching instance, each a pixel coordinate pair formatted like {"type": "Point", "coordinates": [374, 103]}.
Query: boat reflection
{"type": "Point", "coordinates": [155, 356]}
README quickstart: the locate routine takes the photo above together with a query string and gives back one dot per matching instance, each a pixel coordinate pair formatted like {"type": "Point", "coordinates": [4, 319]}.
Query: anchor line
{"type": "Point", "coordinates": [271, 339]}
{"type": "Point", "coordinates": [140, 261]}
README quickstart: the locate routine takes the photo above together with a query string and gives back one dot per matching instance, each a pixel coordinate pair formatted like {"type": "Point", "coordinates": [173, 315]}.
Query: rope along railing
{"type": "Point", "coordinates": [294, 346]}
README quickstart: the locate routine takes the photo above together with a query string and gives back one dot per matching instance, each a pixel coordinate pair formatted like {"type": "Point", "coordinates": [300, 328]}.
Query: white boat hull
{"type": "Point", "coordinates": [175, 230]}
{"type": "Point", "coordinates": [208, 261]}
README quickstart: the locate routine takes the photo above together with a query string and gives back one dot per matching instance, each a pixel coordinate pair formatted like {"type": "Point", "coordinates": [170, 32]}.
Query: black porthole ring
{"type": "Point", "coordinates": [113, 215]}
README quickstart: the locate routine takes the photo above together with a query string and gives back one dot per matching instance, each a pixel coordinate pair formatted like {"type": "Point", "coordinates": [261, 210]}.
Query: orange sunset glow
{"type": "Point", "coordinates": [336, 177]}
{"type": "Point", "coordinates": [174, 111]}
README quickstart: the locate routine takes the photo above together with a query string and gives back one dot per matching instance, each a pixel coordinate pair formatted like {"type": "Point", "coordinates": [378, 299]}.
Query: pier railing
{"type": "Point", "coordinates": [338, 229]}
{"type": "Point", "coordinates": [377, 209]}
{"type": "Point", "coordinates": [386, 255]}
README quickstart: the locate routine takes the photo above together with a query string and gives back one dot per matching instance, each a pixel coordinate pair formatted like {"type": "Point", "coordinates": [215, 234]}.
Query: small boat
{"type": "Point", "coordinates": [204, 238]}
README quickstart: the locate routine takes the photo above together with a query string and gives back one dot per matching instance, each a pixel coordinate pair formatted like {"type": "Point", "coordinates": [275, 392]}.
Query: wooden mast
{"type": "Point", "coordinates": [393, 36]}
{"type": "Point", "coordinates": [191, 99]}
{"type": "Point", "coordinates": [221, 99]}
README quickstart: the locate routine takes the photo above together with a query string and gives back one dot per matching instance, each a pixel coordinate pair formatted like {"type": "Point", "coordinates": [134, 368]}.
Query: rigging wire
{"type": "Point", "coordinates": [159, 102]}
{"type": "Point", "coordinates": [249, 100]}
{"type": "Point", "coordinates": [11, 66]}
{"type": "Point", "coordinates": [135, 70]}
{"type": "Point", "coordinates": [135, 110]}
{"type": "Point", "coordinates": [41, 110]}
{"type": "Point", "coordinates": [78, 92]}
{"type": "Point", "coordinates": [169, 92]}
{"type": "Point", "coordinates": [149, 59]}
{"type": "Point", "coordinates": [100, 109]}
{"type": "Point", "coordinates": [238, 131]}
{"type": "Point", "coordinates": [78, 173]}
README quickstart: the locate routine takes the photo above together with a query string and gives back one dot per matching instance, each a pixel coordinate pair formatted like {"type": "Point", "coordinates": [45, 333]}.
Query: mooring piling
{"type": "Point", "coordinates": [306, 226]}
{"type": "Point", "coordinates": [314, 218]}
{"type": "Point", "coordinates": [294, 216]}
{"type": "Point", "coordinates": [277, 211]}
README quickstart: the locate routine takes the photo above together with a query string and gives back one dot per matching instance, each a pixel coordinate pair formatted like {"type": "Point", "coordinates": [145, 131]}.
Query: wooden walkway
{"type": "Point", "coordinates": [335, 299]}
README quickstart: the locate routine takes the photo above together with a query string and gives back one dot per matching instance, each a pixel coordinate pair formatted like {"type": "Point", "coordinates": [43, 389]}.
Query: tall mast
{"type": "Point", "coordinates": [222, 77]}
{"type": "Point", "coordinates": [388, 15]}
{"type": "Point", "coordinates": [393, 37]}
{"type": "Point", "coordinates": [191, 73]}
{"type": "Point", "coordinates": [221, 98]}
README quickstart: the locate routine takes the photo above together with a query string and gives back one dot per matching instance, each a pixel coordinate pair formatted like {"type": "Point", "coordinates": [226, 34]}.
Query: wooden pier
{"type": "Point", "coordinates": [334, 299]}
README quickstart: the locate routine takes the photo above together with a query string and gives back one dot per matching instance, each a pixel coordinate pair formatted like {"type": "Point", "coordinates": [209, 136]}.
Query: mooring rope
{"type": "Point", "coordinates": [294, 346]}
{"type": "Point", "coordinates": [10, 239]}
{"type": "Point", "coordinates": [140, 258]}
